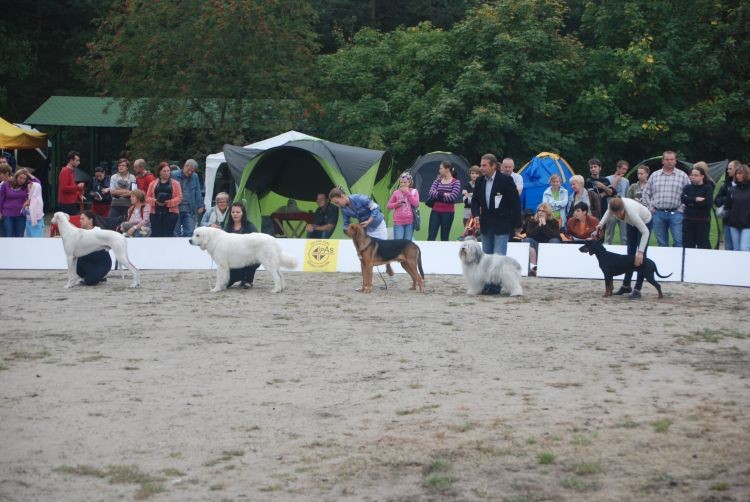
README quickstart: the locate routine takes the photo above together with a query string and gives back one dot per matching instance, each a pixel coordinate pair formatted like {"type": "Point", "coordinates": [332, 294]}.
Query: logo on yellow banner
{"type": "Point", "coordinates": [321, 255]}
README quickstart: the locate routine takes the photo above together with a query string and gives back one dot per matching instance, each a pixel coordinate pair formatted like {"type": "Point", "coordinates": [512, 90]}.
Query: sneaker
{"type": "Point", "coordinates": [623, 290]}
{"type": "Point", "coordinates": [247, 285]}
{"type": "Point", "coordinates": [635, 295]}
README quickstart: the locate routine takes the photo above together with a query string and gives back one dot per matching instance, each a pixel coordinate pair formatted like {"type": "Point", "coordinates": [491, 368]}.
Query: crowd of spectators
{"type": "Point", "coordinates": [168, 202]}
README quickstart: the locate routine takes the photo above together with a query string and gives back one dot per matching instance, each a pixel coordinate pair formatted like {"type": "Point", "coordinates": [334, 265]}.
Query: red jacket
{"type": "Point", "coordinates": [67, 189]}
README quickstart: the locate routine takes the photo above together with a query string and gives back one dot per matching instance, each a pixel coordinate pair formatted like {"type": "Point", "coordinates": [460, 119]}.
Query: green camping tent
{"type": "Point", "coordinates": [298, 170]}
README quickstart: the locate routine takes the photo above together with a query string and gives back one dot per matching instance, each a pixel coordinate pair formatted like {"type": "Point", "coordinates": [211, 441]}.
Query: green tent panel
{"type": "Point", "coordinates": [299, 170]}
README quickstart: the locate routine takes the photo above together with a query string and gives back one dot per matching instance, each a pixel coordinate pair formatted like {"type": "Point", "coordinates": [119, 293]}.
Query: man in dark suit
{"type": "Point", "coordinates": [498, 206]}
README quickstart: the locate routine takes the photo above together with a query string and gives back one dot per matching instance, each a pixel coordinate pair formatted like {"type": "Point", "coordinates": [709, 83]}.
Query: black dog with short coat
{"type": "Point", "coordinates": [613, 264]}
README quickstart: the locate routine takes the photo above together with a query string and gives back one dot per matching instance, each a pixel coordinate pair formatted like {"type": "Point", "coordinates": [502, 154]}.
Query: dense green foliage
{"type": "Point", "coordinates": [607, 78]}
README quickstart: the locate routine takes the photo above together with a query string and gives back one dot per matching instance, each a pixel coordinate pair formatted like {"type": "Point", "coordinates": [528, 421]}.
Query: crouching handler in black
{"type": "Point", "coordinates": [93, 267]}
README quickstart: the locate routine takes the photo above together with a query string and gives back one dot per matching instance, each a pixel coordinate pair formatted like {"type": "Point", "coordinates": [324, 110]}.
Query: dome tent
{"type": "Point", "coordinates": [424, 170]}
{"type": "Point", "coordinates": [299, 170]}
{"type": "Point", "coordinates": [536, 174]}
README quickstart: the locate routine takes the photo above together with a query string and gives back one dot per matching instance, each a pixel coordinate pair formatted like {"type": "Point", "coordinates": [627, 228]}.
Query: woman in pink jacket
{"type": "Point", "coordinates": [402, 201]}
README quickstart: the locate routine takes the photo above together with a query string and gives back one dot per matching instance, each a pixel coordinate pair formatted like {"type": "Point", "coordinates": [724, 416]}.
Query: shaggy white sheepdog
{"type": "Point", "coordinates": [483, 271]}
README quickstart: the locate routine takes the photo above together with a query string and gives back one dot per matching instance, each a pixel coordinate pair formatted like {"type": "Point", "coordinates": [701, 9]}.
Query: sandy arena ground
{"type": "Point", "coordinates": [169, 392]}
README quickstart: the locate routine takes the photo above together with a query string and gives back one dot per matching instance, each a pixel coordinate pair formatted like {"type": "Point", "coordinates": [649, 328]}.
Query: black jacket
{"type": "Point", "coordinates": [694, 210]}
{"type": "Point", "coordinates": [504, 218]}
{"type": "Point", "coordinates": [738, 204]}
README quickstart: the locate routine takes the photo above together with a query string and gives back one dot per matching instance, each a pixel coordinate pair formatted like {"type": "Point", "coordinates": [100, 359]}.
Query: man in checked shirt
{"type": "Point", "coordinates": [662, 197]}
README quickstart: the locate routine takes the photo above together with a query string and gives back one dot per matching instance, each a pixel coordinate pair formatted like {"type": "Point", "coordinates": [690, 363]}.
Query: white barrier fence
{"type": "Point", "coordinates": [702, 266]}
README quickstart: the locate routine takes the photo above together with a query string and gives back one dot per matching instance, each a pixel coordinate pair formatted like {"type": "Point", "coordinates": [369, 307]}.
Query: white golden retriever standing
{"type": "Point", "coordinates": [481, 270]}
{"type": "Point", "coordinates": [240, 250]}
{"type": "Point", "coordinates": [78, 242]}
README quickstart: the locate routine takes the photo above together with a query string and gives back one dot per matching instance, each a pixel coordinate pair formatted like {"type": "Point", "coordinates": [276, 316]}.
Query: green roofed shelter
{"type": "Point", "coordinates": [92, 113]}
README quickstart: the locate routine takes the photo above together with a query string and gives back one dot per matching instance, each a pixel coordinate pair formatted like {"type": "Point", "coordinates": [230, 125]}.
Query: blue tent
{"type": "Point", "coordinates": [536, 175]}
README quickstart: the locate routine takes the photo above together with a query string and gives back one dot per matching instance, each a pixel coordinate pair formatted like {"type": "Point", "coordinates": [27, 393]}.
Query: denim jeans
{"type": "Point", "coordinates": [740, 238]}
{"type": "Point", "coordinates": [443, 221]}
{"type": "Point", "coordinates": [185, 225]}
{"type": "Point", "coordinates": [403, 231]}
{"type": "Point", "coordinates": [35, 230]}
{"type": "Point", "coordinates": [665, 222]}
{"type": "Point", "coordinates": [495, 244]}
{"type": "Point", "coordinates": [728, 244]}
{"type": "Point", "coordinates": [14, 226]}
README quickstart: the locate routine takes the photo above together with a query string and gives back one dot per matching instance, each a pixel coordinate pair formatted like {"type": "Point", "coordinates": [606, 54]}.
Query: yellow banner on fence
{"type": "Point", "coordinates": [321, 255]}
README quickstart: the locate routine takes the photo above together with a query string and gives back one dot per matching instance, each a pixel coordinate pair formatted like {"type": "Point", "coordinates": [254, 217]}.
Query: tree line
{"type": "Point", "coordinates": [583, 78]}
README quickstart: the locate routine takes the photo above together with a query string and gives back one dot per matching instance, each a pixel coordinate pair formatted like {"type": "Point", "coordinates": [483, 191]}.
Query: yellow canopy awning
{"type": "Point", "coordinates": [12, 137]}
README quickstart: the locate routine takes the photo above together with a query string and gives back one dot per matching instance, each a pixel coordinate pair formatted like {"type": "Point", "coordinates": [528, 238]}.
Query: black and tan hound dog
{"type": "Point", "coordinates": [372, 252]}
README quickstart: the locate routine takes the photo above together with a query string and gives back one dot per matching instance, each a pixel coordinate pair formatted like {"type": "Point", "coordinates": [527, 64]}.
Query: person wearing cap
{"type": "Point", "coordinates": [403, 202]}
{"type": "Point", "coordinates": [99, 192]}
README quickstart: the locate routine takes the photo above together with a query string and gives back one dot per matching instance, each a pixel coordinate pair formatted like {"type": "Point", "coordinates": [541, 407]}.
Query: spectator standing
{"type": "Point", "coordinates": [139, 217]}
{"type": "Point", "coordinates": [402, 201]}
{"type": "Point", "coordinates": [239, 224]}
{"type": "Point", "coordinates": [508, 167]}
{"type": "Point", "coordinates": [720, 202]}
{"type": "Point", "coordinates": [5, 175]}
{"type": "Point", "coordinates": [192, 202]}
{"type": "Point", "coordinates": [68, 191]}
{"type": "Point", "coordinates": [326, 218]}
{"type": "Point", "coordinates": [444, 191]}
{"type": "Point", "coordinates": [34, 208]}
{"type": "Point", "coordinates": [599, 186]}
{"type": "Point", "coordinates": [120, 186]}
{"type": "Point", "coordinates": [14, 195]}
{"type": "Point", "coordinates": [620, 184]}
{"type": "Point", "coordinates": [697, 198]}
{"type": "Point", "coordinates": [635, 191]}
{"type": "Point", "coordinates": [99, 192]}
{"type": "Point", "coordinates": [738, 205]}
{"type": "Point", "coordinates": [364, 209]}
{"type": "Point", "coordinates": [468, 191]}
{"type": "Point", "coordinates": [662, 196]}
{"type": "Point", "coordinates": [638, 219]}
{"type": "Point", "coordinates": [579, 194]}
{"type": "Point", "coordinates": [163, 196]}
{"type": "Point", "coordinates": [557, 198]}
{"type": "Point", "coordinates": [216, 216]}
{"type": "Point", "coordinates": [497, 204]}
{"type": "Point", "coordinates": [143, 177]}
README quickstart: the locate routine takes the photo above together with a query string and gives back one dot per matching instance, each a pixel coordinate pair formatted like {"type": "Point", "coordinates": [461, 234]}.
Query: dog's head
{"type": "Point", "coordinates": [591, 247]}
{"type": "Point", "coordinates": [354, 231]}
{"type": "Point", "coordinates": [470, 252]}
{"type": "Point", "coordinates": [59, 217]}
{"type": "Point", "coordinates": [200, 237]}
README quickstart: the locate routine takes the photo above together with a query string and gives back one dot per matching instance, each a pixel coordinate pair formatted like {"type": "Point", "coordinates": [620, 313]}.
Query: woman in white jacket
{"type": "Point", "coordinates": [557, 197]}
{"type": "Point", "coordinates": [35, 207]}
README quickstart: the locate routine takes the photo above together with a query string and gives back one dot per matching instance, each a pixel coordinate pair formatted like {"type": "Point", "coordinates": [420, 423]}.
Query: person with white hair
{"type": "Point", "coordinates": [192, 202]}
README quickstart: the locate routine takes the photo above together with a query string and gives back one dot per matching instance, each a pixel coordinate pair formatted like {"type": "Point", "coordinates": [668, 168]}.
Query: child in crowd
{"type": "Point", "coordinates": [468, 191]}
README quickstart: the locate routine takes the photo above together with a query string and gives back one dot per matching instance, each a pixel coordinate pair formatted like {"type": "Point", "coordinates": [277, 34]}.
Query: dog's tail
{"type": "Point", "coordinates": [656, 270]}
{"type": "Point", "coordinates": [419, 263]}
{"type": "Point", "coordinates": [288, 261]}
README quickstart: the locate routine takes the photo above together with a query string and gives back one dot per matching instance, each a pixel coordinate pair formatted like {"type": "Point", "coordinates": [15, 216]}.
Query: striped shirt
{"type": "Point", "coordinates": [664, 191]}
{"type": "Point", "coordinates": [445, 195]}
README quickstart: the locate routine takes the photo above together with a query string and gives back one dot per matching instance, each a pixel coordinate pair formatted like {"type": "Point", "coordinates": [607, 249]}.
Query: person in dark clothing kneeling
{"type": "Point", "coordinates": [93, 267]}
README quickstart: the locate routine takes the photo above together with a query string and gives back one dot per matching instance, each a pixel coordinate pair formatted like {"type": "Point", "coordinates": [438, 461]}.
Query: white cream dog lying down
{"type": "Point", "coordinates": [481, 270]}
{"type": "Point", "coordinates": [78, 242]}
{"type": "Point", "coordinates": [240, 250]}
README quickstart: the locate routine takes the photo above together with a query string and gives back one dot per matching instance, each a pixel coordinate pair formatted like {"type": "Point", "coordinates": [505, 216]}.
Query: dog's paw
{"type": "Point", "coordinates": [135, 285]}
{"type": "Point", "coordinates": [215, 290]}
